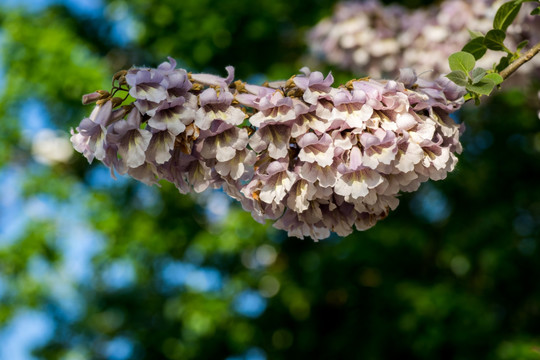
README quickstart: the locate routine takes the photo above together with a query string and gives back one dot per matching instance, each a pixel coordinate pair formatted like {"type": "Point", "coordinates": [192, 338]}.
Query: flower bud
{"type": "Point", "coordinates": [116, 101]}
{"type": "Point", "coordinates": [91, 98]}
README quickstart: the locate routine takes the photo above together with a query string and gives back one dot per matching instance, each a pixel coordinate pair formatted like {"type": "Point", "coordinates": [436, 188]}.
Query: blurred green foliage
{"type": "Point", "coordinates": [452, 274]}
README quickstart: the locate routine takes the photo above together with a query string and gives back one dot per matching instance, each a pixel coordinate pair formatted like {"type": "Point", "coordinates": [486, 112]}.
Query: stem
{"type": "Point", "coordinates": [510, 69]}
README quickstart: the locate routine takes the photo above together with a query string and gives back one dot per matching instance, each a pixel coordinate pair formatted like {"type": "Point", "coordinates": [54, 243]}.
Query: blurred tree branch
{"type": "Point", "coordinates": [510, 69]}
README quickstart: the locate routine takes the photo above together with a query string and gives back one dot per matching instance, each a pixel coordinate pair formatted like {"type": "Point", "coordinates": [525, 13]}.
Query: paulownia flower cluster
{"type": "Point", "coordinates": [310, 155]}
{"type": "Point", "coordinates": [376, 39]}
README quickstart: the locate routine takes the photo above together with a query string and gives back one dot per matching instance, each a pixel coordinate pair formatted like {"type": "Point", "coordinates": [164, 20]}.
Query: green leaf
{"type": "Point", "coordinates": [475, 34]}
{"type": "Point", "coordinates": [476, 47]}
{"type": "Point", "coordinates": [484, 87]}
{"type": "Point", "coordinates": [459, 77]}
{"type": "Point", "coordinates": [461, 61]}
{"type": "Point", "coordinates": [503, 63]}
{"type": "Point", "coordinates": [536, 11]}
{"type": "Point", "coordinates": [496, 78]}
{"type": "Point", "coordinates": [477, 74]}
{"type": "Point", "coordinates": [506, 15]}
{"type": "Point", "coordinates": [494, 40]}
{"type": "Point", "coordinates": [521, 45]}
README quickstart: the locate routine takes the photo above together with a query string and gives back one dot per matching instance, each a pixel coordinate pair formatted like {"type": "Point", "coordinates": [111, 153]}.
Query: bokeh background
{"type": "Point", "coordinates": [93, 268]}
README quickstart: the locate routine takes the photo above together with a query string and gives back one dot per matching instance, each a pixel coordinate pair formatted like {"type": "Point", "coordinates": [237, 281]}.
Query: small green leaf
{"type": "Point", "coordinates": [475, 34]}
{"type": "Point", "coordinates": [459, 77]}
{"type": "Point", "coordinates": [506, 15]}
{"type": "Point", "coordinates": [496, 78]}
{"type": "Point", "coordinates": [494, 40]}
{"type": "Point", "coordinates": [503, 63]}
{"type": "Point", "coordinates": [461, 61]}
{"type": "Point", "coordinates": [477, 74]}
{"type": "Point", "coordinates": [476, 47]}
{"type": "Point", "coordinates": [536, 11]}
{"type": "Point", "coordinates": [484, 87]}
{"type": "Point", "coordinates": [521, 45]}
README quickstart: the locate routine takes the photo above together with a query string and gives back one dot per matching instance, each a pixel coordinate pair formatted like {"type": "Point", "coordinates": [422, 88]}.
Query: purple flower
{"type": "Point", "coordinates": [316, 150]}
{"type": "Point", "coordinates": [90, 139]}
{"type": "Point", "coordinates": [273, 108]}
{"type": "Point", "coordinates": [216, 106]}
{"type": "Point", "coordinates": [131, 140]}
{"type": "Point", "coordinates": [146, 85]}
{"type": "Point", "coordinates": [224, 145]}
{"type": "Point", "coordinates": [214, 80]}
{"type": "Point", "coordinates": [146, 173]}
{"type": "Point", "coordinates": [300, 194]}
{"type": "Point", "coordinates": [297, 227]}
{"type": "Point", "coordinates": [351, 108]}
{"type": "Point", "coordinates": [172, 116]}
{"type": "Point", "coordinates": [237, 167]}
{"type": "Point", "coordinates": [275, 138]}
{"type": "Point", "coordinates": [309, 121]}
{"type": "Point", "coordinates": [379, 147]}
{"type": "Point", "coordinates": [277, 181]}
{"type": "Point", "coordinates": [160, 147]}
{"type": "Point", "coordinates": [325, 175]}
{"type": "Point", "coordinates": [314, 84]}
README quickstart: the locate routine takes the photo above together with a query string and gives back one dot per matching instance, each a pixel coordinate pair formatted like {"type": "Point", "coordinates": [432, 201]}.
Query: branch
{"type": "Point", "coordinates": [510, 69]}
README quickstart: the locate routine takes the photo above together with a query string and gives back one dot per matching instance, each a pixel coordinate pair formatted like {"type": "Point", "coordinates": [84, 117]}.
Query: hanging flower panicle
{"type": "Point", "coordinates": [372, 38]}
{"type": "Point", "coordinates": [314, 157]}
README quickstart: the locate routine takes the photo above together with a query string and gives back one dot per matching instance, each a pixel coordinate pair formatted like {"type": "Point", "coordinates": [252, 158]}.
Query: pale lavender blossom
{"type": "Point", "coordinates": [160, 147]}
{"type": "Point", "coordinates": [315, 149]}
{"type": "Point", "coordinates": [90, 139]}
{"type": "Point", "coordinates": [379, 147]}
{"type": "Point", "coordinates": [224, 145]}
{"type": "Point", "coordinates": [216, 106]}
{"type": "Point", "coordinates": [325, 176]}
{"type": "Point", "coordinates": [170, 116]}
{"type": "Point", "coordinates": [236, 167]}
{"type": "Point", "coordinates": [274, 138]}
{"type": "Point", "coordinates": [300, 194]}
{"type": "Point", "coordinates": [131, 140]}
{"type": "Point", "coordinates": [146, 85]}
{"type": "Point", "coordinates": [314, 84]}
{"type": "Point", "coordinates": [351, 108]}
{"type": "Point", "coordinates": [214, 80]}
{"type": "Point", "coordinates": [274, 108]}
{"type": "Point", "coordinates": [277, 181]}
{"type": "Point", "coordinates": [356, 180]}
{"type": "Point", "coordinates": [146, 173]}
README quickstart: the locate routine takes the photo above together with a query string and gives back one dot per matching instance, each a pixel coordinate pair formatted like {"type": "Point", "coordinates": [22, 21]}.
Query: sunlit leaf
{"type": "Point", "coordinates": [494, 40]}
{"type": "Point", "coordinates": [477, 74]}
{"type": "Point", "coordinates": [476, 47]}
{"type": "Point", "coordinates": [496, 78]}
{"type": "Point", "coordinates": [483, 87]}
{"type": "Point", "coordinates": [459, 77]}
{"type": "Point", "coordinates": [461, 61]}
{"type": "Point", "coordinates": [506, 15]}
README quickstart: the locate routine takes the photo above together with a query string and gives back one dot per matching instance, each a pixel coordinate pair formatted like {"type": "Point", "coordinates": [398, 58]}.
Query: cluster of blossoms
{"type": "Point", "coordinates": [368, 37]}
{"type": "Point", "coordinates": [313, 157]}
